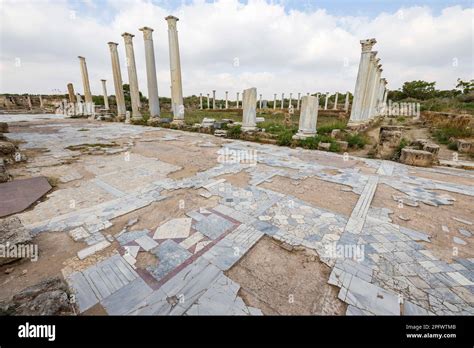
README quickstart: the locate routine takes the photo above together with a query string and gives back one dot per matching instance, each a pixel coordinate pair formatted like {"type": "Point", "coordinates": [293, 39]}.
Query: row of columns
{"type": "Point", "coordinates": [177, 104]}
{"type": "Point", "coordinates": [282, 103]}
{"type": "Point", "coordinates": [370, 90]}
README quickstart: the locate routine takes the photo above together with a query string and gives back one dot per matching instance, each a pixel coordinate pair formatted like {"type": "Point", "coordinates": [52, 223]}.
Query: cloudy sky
{"type": "Point", "coordinates": [276, 46]}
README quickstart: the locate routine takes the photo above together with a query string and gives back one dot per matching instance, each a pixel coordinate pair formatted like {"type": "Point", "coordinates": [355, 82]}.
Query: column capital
{"type": "Point", "coordinates": [112, 44]}
{"type": "Point", "coordinates": [128, 37]}
{"type": "Point", "coordinates": [372, 55]}
{"type": "Point", "coordinates": [367, 44]}
{"type": "Point", "coordinates": [147, 33]}
{"type": "Point", "coordinates": [81, 57]}
{"type": "Point", "coordinates": [103, 80]}
{"type": "Point", "coordinates": [172, 21]}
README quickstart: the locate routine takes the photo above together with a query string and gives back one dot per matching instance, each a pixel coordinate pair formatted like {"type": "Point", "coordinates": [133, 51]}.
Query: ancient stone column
{"type": "Point", "coordinates": [72, 95]}
{"type": "Point", "coordinates": [132, 76]}
{"type": "Point", "coordinates": [260, 102]}
{"type": "Point", "coordinates": [282, 100]}
{"type": "Point", "coordinates": [361, 81]}
{"type": "Point", "coordinates": [79, 98]}
{"type": "Point", "coordinates": [298, 102]}
{"type": "Point", "coordinates": [326, 101]}
{"type": "Point", "coordinates": [376, 93]}
{"type": "Point", "coordinates": [85, 80]}
{"type": "Point", "coordinates": [214, 99]}
{"type": "Point", "coordinates": [226, 100]}
{"type": "Point", "coordinates": [369, 87]}
{"type": "Point", "coordinates": [41, 101]}
{"type": "Point", "coordinates": [307, 94]}
{"type": "Point", "coordinates": [118, 84]}
{"type": "Point", "coordinates": [308, 117]}
{"type": "Point", "coordinates": [346, 104]}
{"type": "Point", "coordinates": [208, 102]}
{"type": "Point", "coordinates": [289, 102]}
{"type": "Point", "coordinates": [373, 90]}
{"type": "Point", "coordinates": [238, 100]}
{"type": "Point", "coordinates": [335, 101]}
{"type": "Point", "coordinates": [381, 91]}
{"type": "Point", "coordinates": [28, 99]}
{"type": "Point", "coordinates": [249, 104]}
{"type": "Point", "coordinates": [106, 99]}
{"type": "Point", "coordinates": [152, 84]}
{"type": "Point", "coordinates": [274, 101]}
{"type": "Point", "coordinates": [200, 101]}
{"type": "Point", "coordinates": [175, 68]}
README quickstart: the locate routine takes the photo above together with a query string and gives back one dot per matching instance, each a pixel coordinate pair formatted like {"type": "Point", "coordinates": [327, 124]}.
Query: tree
{"type": "Point", "coordinates": [419, 89]}
{"type": "Point", "coordinates": [465, 86]}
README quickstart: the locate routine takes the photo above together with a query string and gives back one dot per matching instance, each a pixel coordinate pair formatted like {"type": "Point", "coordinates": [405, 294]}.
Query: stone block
{"type": "Point", "coordinates": [433, 148]}
{"type": "Point", "coordinates": [418, 158]}
{"type": "Point", "coordinates": [335, 133]}
{"type": "Point", "coordinates": [324, 146]}
{"type": "Point", "coordinates": [464, 146]}
{"type": "Point", "coordinates": [342, 144]}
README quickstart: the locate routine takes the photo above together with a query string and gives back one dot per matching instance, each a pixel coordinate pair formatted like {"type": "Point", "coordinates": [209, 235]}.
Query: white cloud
{"type": "Point", "coordinates": [278, 51]}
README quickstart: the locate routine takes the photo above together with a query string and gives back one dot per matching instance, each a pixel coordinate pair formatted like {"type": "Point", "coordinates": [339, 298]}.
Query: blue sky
{"type": "Point", "coordinates": [367, 8]}
{"type": "Point", "coordinates": [285, 46]}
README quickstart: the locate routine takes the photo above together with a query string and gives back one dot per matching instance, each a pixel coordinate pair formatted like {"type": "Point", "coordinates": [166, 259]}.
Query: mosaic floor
{"type": "Point", "coordinates": [394, 270]}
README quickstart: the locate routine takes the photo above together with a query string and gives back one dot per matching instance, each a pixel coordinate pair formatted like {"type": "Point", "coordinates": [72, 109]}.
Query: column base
{"type": "Point", "coordinates": [303, 135]}
{"type": "Point", "coordinates": [153, 121]}
{"type": "Point", "coordinates": [178, 122]}
{"type": "Point", "coordinates": [248, 128]}
{"type": "Point", "coordinates": [120, 118]}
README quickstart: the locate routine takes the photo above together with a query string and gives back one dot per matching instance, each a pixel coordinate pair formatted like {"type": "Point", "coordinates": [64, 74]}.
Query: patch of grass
{"type": "Point", "coordinates": [313, 142]}
{"type": "Point", "coordinates": [356, 140]}
{"type": "Point", "coordinates": [234, 132]}
{"type": "Point", "coordinates": [285, 138]}
{"type": "Point", "coordinates": [53, 181]}
{"type": "Point", "coordinates": [83, 130]}
{"type": "Point", "coordinates": [327, 128]}
{"type": "Point", "coordinates": [401, 119]}
{"type": "Point", "coordinates": [442, 135]}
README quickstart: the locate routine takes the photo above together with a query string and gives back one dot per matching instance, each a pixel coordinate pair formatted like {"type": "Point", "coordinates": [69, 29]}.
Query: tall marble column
{"type": "Point", "coordinates": [282, 100]}
{"type": "Point", "coordinates": [249, 105]}
{"type": "Point", "coordinates": [289, 102]}
{"type": "Point", "coordinates": [237, 100]}
{"type": "Point", "coordinates": [208, 102]}
{"type": "Point", "coordinates": [361, 81]}
{"type": "Point", "coordinates": [118, 84]}
{"type": "Point", "coordinates": [368, 88]}
{"type": "Point", "coordinates": [85, 80]}
{"type": "Point", "coordinates": [152, 84]}
{"type": "Point", "coordinates": [226, 100]}
{"type": "Point", "coordinates": [132, 76]}
{"type": "Point", "coordinates": [346, 104]}
{"type": "Point", "coordinates": [214, 99]}
{"type": "Point", "coordinates": [335, 101]}
{"type": "Point", "coordinates": [260, 102]}
{"type": "Point", "coordinates": [274, 101]}
{"type": "Point", "coordinates": [175, 68]}
{"type": "Point", "coordinates": [41, 101]}
{"type": "Point", "coordinates": [106, 99]}
{"type": "Point", "coordinates": [308, 117]}
{"type": "Point", "coordinates": [371, 88]}
{"type": "Point", "coordinates": [70, 91]}
{"type": "Point", "coordinates": [298, 102]}
{"type": "Point", "coordinates": [375, 92]}
{"type": "Point", "coordinates": [200, 101]}
{"type": "Point", "coordinates": [326, 101]}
